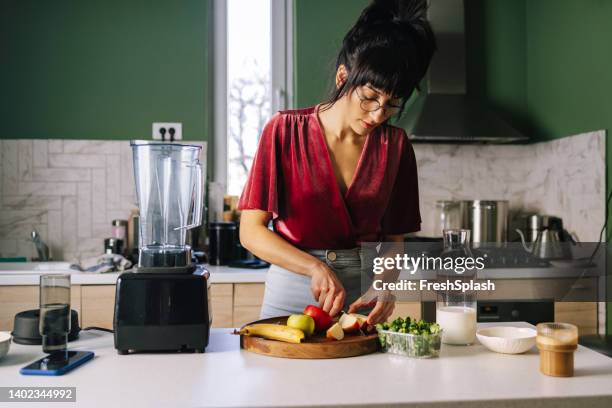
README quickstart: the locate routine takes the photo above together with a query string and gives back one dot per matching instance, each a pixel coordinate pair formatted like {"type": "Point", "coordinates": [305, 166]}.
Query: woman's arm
{"type": "Point", "coordinates": [269, 246]}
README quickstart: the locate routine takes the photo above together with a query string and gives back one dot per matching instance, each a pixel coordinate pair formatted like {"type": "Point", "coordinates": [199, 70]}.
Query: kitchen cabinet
{"type": "Point", "coordinates": [222, 303]}
{"type": "Point", "coordinates": [97, 305]}
{"type": "Point", "coordinates": [15, 299]}
{"type": "Point", "coordinates": [581, 314]}
{"type": "Point", "coordinates": [76, 301]}
{"type": "Point", "coordinates": [234, 304]}
{"type": "Point", "coordinates": [248, 298]}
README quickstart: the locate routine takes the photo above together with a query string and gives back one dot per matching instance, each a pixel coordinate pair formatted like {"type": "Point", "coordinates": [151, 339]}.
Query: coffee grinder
{"type": "Point", "coordinates": [163, 303]}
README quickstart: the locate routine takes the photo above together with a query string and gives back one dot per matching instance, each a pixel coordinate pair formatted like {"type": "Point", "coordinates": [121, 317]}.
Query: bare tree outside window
{"type": "Point", "coordinates": [249, 110]}
{"type": "Point", "coordinates": [248, 83]}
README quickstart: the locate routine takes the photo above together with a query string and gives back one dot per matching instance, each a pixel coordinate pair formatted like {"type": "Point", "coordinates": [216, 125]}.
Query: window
{"type": "Point", "coordinates": [252, 61]}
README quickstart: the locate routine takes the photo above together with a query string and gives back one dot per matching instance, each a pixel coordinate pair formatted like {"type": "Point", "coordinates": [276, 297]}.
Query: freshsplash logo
{"type": "Point", "coordinates": [427, 263]}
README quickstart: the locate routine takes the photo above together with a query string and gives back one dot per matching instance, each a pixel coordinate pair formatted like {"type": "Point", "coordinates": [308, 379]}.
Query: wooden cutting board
{"type": "Point", "coordinates": [313, 347]}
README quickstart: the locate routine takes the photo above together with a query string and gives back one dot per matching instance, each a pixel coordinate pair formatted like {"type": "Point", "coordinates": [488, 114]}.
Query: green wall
{"type": "Point", "coordinates": [568, 66]}
{"type": "Point", "coordinates": [319, 27]}
{"type": "Point", "coordinates": [496, 57]}
{"type": "Point", "coordinates": [103, 69]}
{"type": "Point", "coordinates": [569, 85]}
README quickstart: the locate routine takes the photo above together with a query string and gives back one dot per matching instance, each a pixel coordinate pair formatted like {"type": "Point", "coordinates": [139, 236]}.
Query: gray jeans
{"type": "Point", "coordinates": [288, 292]}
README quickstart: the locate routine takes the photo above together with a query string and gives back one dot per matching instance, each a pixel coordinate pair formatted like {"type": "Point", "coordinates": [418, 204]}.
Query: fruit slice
{"type": "Point", "coordinates": [273, 331]}
{"type": "Point", "coordinates": [335, 332]}
{"type": "Point", "coordinates": [303, 323]}
{"type": "Point", "coordinates": [362, 319]}
{"type": "Point", "coordinates": [322, 319]}
{"type": "Point", "coordinates": [349, 323]}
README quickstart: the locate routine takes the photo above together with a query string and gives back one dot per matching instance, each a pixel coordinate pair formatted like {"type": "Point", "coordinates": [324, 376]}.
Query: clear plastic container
{"type": "Point", "coordinates": [411, 345]}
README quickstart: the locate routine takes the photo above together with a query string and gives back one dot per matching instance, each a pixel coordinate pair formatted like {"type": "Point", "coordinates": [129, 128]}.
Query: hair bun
{"type": "Point", "coordinates": [393, 21]}
{"type": "Point", "coordinates": [396, 11]}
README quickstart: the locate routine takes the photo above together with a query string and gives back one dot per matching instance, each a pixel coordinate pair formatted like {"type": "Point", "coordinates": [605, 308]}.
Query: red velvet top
{"type": "Point", "coordinates": [292, 177]}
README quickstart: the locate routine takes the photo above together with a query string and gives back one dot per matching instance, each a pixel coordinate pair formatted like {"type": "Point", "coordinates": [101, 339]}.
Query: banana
{"type": "Point", "coordinates": [273, 331]}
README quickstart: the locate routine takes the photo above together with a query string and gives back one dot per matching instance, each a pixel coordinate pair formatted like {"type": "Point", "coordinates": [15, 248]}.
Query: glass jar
{"type": "Point", "coordinates": [557, 343]}
{"type": "Point", "coordinates": [448, 216]}
{"type": "Point", "coordinates": [456, 308]}
{"type": "Point", "coordinates": [54, 323]}
{"type": "Point", "coordinates": [119, 229]}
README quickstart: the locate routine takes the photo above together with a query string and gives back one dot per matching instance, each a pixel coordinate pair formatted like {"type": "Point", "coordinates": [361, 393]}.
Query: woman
{"type": "Point", "coordinates": [337, 174]}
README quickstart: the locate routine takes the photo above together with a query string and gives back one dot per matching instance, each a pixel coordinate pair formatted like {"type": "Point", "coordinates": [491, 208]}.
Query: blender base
{"type": "Point", "coordinates": [161, 312]}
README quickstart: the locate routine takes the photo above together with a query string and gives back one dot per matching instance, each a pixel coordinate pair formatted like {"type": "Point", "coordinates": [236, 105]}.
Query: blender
{"type": "Point", "coordinates": [162, 304]}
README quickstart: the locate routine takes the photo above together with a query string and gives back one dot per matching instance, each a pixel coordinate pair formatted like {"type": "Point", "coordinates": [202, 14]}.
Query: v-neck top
{"type": "Point", "coordinates": [292, 177]}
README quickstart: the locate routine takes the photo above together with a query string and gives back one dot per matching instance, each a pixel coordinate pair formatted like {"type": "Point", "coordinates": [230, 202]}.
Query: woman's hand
{"type": "Point", "coordinates": [382, 301]}
{"type": "Point", "coordinates": [327, 289]}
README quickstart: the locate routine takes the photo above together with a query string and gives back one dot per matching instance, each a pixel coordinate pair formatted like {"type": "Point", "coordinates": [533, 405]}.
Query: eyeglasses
{"type": "Point", "coordinates": [372, 105]}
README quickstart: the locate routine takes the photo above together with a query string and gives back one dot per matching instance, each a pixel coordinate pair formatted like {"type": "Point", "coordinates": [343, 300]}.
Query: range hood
{"type": "Point", "coordinates": [447, 114]}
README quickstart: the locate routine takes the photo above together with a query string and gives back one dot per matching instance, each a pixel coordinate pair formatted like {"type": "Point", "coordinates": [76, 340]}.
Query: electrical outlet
{"type": "Point", "coordinates": [177, 126]}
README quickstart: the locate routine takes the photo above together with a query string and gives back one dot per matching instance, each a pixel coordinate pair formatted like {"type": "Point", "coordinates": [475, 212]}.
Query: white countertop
{"type": "Point", "coordinates": [226, 376]}
{"type": "Point", "coordinates": [218, 274]}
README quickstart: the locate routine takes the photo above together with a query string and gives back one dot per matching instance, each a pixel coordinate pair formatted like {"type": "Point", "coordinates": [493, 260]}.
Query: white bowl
{"type": "Point", "coordinates": [506, 339]}
{"type": "Point", "coordinates": [5, 343]}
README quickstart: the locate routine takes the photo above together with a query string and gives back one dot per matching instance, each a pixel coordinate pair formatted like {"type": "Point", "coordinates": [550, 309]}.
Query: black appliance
{"type": "Point", "coordinates": [222, 242]}
{"type": "Point", "coordinates": [163, 303]}
{"type": "Point", "coordinates": [26, 330]}
{"type": "Point", "coordinates": [162, 312]}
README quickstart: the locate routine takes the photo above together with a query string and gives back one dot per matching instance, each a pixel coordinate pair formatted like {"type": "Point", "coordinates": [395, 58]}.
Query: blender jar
{"type": "Point", "coordinates": [170, 198]}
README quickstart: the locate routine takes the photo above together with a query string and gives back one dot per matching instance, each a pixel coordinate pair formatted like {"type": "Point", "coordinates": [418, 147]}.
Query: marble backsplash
{"type": "Point", "coordinates": [564, 177]}
{"type": "Point", "coordinates": [71, 190]}
{"type": "Point", "coordinates": [68, 190]}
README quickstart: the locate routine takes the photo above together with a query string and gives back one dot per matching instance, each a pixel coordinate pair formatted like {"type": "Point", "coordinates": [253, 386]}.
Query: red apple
{"type": "Point", "coordinates": [335, 332]}
{"type": "Point", "coordinates": [349, 323]}
{"type": "Point", "coordinates": [362, 319]}
{"type": "Point", "coordinates": [322, 319]}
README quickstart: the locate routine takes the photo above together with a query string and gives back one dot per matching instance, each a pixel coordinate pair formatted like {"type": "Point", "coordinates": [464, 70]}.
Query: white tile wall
{"type": "Point", "coordinates": [564, 177]}
{"type": "Point", "coordinates": [68, 190]}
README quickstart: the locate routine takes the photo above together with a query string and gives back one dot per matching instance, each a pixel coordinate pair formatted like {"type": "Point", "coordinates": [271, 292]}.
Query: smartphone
{"type": "Point", "coordinates": [58, 363]}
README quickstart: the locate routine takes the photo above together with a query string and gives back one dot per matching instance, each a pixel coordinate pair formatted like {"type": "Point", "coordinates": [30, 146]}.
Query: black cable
{"type": "Point", "coordinates": [162, 131]}
{"type": "Point", "coordinates": [98, 328]}
{"type": "Point", "coordinates": [172, 132]}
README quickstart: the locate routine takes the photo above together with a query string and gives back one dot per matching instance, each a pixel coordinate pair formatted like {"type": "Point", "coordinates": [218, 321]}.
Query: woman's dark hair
{"type": "Point", "coordinates": [389, 47]}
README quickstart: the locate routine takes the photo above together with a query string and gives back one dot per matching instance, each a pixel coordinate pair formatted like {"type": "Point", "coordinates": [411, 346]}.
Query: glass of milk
{"type": "Point", "coordinates": [458, 322]}
{"type": "Point", "coordinates": [456, 309]}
